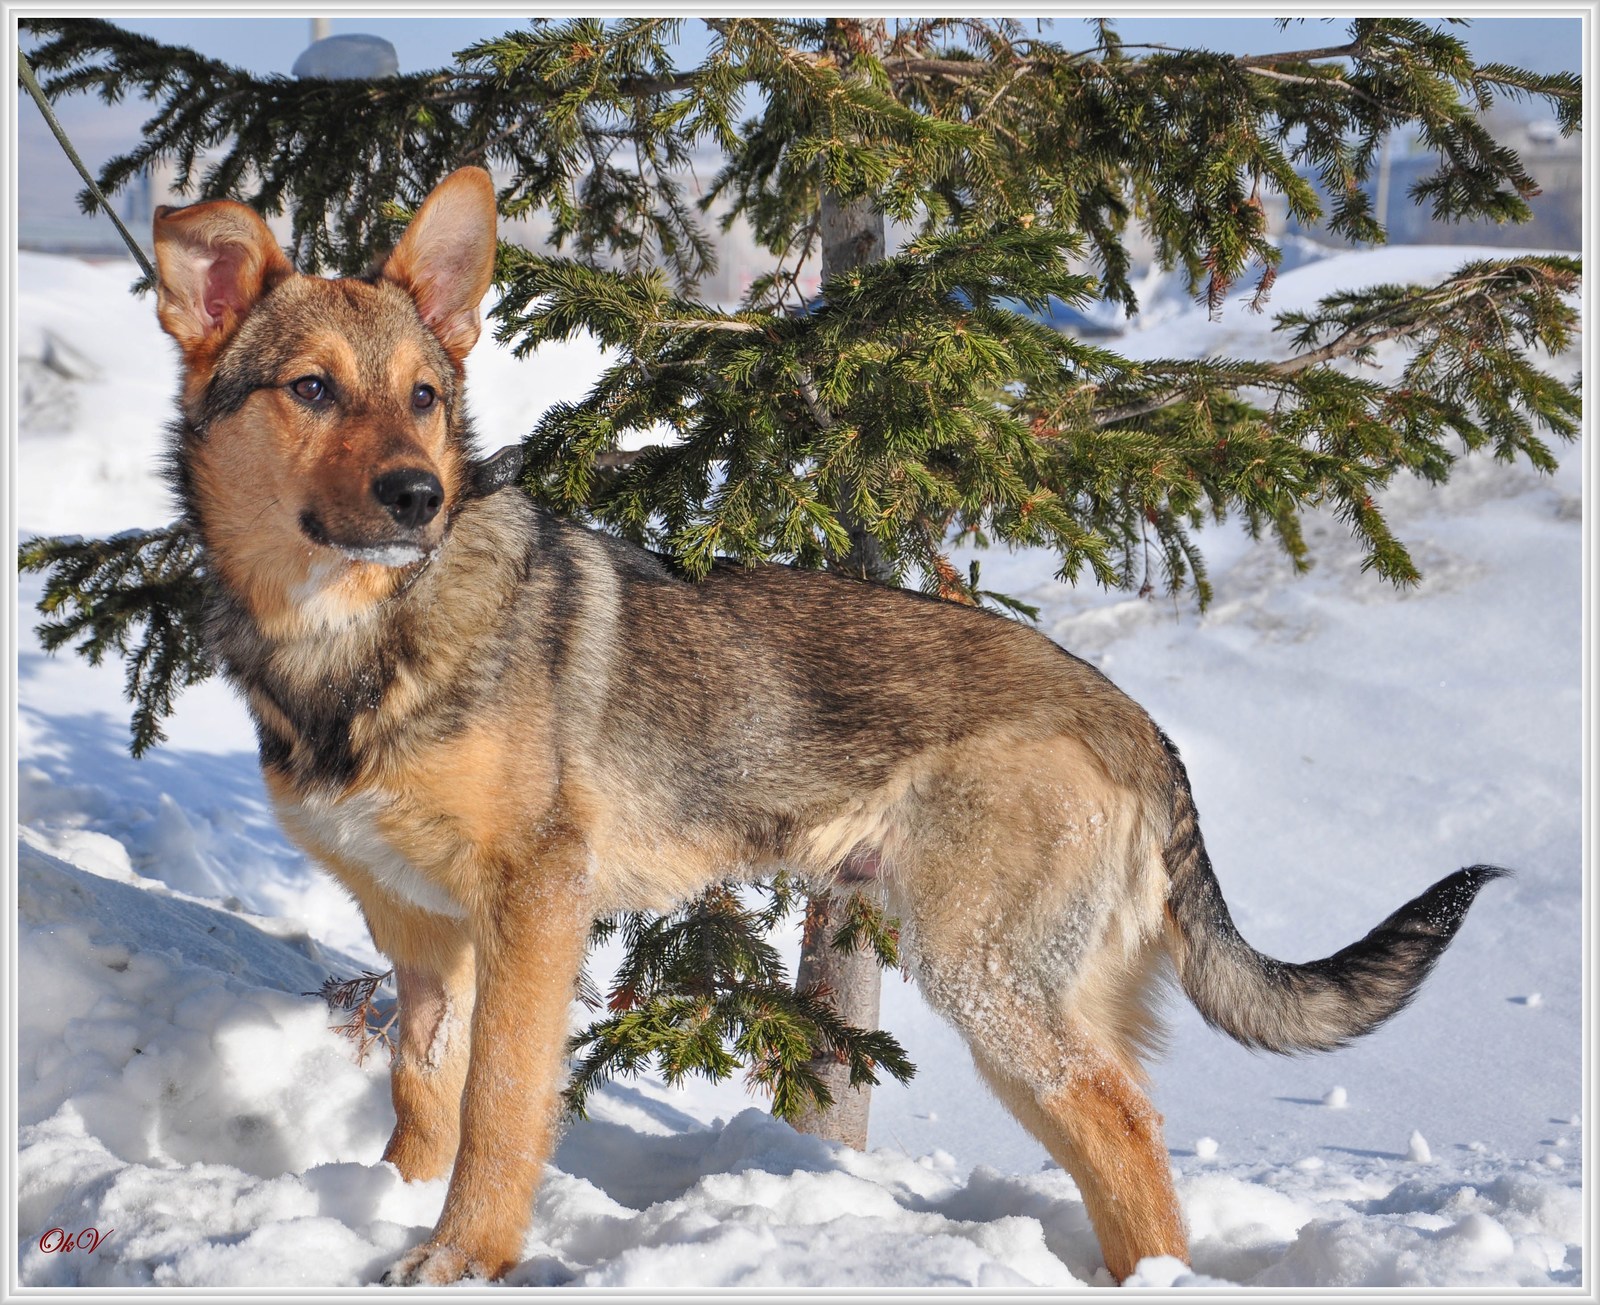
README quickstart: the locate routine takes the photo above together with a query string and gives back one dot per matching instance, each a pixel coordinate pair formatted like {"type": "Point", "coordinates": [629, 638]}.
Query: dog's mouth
{"type": "Point", "coordinates": [393, 553]}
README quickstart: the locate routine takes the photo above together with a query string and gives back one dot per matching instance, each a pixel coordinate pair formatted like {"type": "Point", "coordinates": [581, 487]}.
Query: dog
{"type": "Point", "coordinates": [493, 726]}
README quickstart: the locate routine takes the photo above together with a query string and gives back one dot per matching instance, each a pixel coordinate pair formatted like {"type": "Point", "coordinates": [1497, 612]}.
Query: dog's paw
{"type": "Point", "coordinates": [419, 1164]}
{"type": "Point", "coordinates": [433, 1264]}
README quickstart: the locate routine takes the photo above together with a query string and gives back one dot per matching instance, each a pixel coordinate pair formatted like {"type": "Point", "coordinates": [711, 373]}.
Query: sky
{"type": "Point", "coordinates": [266, 45]}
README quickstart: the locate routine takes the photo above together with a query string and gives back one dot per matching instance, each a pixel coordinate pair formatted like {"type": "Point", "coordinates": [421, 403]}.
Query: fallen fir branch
{"type": "Point", "coordinates": [370, 1022]}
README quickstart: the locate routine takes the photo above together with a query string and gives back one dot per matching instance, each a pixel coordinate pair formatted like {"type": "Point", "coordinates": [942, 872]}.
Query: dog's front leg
{"type": "Point", "coordinates": [433, 970]}
{"type": "Point", "coordinates": [429, 1067]}
{"type": "Point", "coordinates": [529, 946]}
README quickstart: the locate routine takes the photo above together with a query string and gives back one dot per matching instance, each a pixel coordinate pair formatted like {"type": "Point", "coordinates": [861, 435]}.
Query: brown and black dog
{"type": "Point", "coordinates": [493, 726]}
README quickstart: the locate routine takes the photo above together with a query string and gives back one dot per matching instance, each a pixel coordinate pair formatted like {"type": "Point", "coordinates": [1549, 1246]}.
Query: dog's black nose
{"type": "Point", "coordinates": [411, 496]}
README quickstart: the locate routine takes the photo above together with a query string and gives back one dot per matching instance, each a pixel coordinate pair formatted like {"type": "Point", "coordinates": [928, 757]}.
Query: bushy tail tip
{"type": "Point", "coordinates": [1319, 1005]}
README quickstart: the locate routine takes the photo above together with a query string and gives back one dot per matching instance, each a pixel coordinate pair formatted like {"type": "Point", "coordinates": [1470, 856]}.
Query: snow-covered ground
{"type": "Point", "coordinates": [1348, 744]}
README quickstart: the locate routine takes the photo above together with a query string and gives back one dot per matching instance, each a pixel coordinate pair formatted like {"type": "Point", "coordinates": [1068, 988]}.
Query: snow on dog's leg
{"type": "Point", "coordinates": [429, 1068]}
{"type": "Point", "coordinates": [433, 965]}
{"type": "Point", "coordinates": [1031, 892]}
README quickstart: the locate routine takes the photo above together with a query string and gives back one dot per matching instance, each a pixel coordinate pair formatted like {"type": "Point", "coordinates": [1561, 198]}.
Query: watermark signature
{"type": "Point", "coordinates": [58, 1241]}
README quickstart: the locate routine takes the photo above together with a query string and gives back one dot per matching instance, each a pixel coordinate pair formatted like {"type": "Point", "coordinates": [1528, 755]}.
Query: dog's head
{"type": "Point", "coordinates": [324, 444]}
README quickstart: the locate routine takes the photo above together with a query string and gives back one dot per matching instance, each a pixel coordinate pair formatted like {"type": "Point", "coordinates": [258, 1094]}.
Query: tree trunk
{"type": "Point", "coordinates": [853, 981]}
{"type": "Point", "coordinates": [852, 236]}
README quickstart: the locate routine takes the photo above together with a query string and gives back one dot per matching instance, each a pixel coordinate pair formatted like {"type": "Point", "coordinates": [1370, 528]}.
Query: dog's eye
{"type": "Point", "coordinates": [424, 397]}
{"type": "Point", "coordinates": [311, 389]}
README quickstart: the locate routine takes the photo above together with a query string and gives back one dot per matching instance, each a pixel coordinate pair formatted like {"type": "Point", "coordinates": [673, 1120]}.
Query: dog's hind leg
{"type": "Point", "coordinates": [1064, 1064]}
{"type": "Point", "coordinates": [1101, 1128]}
{"type": "Point", "coordinates": [1054, 1030]}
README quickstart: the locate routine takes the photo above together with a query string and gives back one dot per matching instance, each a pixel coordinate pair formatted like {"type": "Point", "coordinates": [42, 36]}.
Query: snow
{"type": "Point", "coordinates": [1348, 745]}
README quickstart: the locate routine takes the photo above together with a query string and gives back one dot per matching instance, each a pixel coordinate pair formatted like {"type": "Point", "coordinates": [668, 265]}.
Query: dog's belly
{"type": "Point", "coordinates": [345, 832]}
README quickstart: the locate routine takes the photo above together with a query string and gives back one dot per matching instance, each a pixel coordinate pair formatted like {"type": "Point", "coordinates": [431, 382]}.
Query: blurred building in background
{"type": "Point", "coordinates": [1554, 162]}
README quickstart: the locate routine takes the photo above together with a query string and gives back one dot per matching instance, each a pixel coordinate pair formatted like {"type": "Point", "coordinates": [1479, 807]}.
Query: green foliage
{"type": "Point", "coordinates": [947, 414]}
{"type": "Point", "coordinates": [914, 395]}
{"type": "Point", "coordinates": [898, 395]}
{"type": "Point", "coordinates": [702, 991]}
{"type": "Point", "coordinates": [951, 119]}
{"type": "Point", "coordinates": [137, 594]}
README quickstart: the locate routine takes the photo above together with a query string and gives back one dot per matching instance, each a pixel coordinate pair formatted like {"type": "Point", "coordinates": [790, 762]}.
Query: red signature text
{"type": "Point", "coordinates": [58, 1241]}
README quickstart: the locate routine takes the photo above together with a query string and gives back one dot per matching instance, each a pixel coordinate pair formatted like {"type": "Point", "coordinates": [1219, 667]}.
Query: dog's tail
{"type": "Point", "coordinates": [1315, 1006]}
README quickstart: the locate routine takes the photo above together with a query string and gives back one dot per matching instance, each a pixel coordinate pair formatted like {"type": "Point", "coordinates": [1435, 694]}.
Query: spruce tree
{"type": "Point", "coordinates": [918, 400]}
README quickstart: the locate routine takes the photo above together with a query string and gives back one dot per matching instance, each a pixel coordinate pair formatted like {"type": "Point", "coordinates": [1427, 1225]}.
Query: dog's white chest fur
{"type": "Point", "coordinates": [349, 829]}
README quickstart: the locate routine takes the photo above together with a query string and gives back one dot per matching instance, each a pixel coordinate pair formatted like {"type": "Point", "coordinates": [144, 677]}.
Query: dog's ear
{"type": "Point", "coordinates": [214, 261]}
{"type": "Point", "coordinates": [446, 258]}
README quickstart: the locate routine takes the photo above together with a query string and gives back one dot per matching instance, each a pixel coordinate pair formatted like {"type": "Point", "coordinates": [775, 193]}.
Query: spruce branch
{"type": "Point", "coordinates": [137, 594]}
{"type": "Point", "coordinates": [701, 991]}
{"type": "Point", "coordinates": [999, 127]}
{"type": "Point", "coordinates": [865, 925]}
{"type": "Point", "coordinates": [1529, 302]}
{"type": "Point", "coordinates": [1013, 430]}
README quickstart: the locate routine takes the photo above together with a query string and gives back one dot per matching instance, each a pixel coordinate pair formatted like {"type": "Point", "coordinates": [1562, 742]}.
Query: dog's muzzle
{"type": "Point", "coordinates": [393, 552]}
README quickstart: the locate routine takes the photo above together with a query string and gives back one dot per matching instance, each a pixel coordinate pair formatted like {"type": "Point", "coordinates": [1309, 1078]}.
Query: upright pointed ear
{"type": "Point", "coordinates": [445, 260]}
{"type": "Point", "coordinates": [214, 262]}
